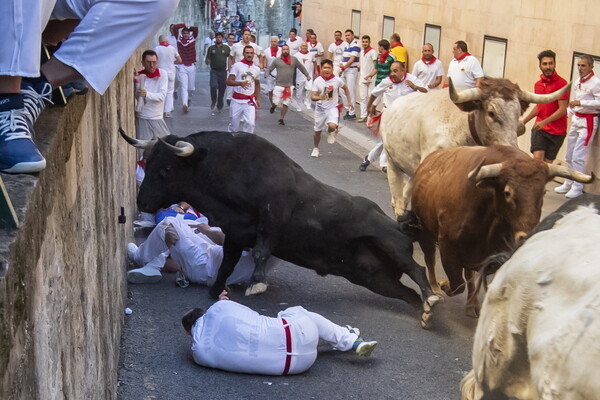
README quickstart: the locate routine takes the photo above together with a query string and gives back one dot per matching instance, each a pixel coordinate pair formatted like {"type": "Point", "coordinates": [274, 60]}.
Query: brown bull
{"type": "Point", "coordinates": [474, 202]}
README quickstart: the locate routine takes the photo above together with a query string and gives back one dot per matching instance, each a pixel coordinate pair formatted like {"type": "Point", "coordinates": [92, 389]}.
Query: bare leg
{"type": "Point", "coordinates": [539, 155]}
{"type": "Point", "coordinates": [284, 109]}
{"type": "Point", "coordinates": [59, 74]}
{"type": "Point", "coordinates": [316, 138]}
{"type": "Point", "coordinates": [10, 84]}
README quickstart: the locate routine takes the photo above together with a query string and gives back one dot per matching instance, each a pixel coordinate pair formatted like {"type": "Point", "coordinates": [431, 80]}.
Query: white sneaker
{"type": "Point", "coordinates": [131, 250]}
{"type": "Point", "coordinates": [146, 274]}
{"type": "Point", "coordinates": [331, 137]}
{"type": "Point", "coordinates": [365, 348]}
{"type": "Point", "coordinates": [315, 152]}
{"type": "Point", "coordinates": [574, 192]}
{"type": "Point", "coordinates": [564, 188]}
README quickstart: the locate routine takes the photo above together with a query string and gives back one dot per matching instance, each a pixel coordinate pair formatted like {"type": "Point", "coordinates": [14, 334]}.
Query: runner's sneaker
{"type": "Point", "coordinates": [36, 93]}
{"type": "Point", "coordinates": [18, 153]}
{"type": "Point", "coordinates": [364, 348]}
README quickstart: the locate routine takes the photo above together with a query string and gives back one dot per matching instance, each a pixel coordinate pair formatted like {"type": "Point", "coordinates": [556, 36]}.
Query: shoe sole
{"type": "Point", "coordinates": [26, 167]}
{"type": "Point", "coordinates": [137, 277]}
{"type": "Point", "coordinates": [366, 349]}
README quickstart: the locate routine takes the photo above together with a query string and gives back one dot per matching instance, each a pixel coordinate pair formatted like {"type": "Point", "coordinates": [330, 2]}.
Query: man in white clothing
{"type": "Point", "coordinates": [167, 59]}
{"type": "Point", "coordinates": [294, 41]}
{"type": "Point", "coordinates": [272, 53]}
{"type": "Point", "coordinates": [237, 50]}
{"type": "Point", "coordinates": [399, 83]}
{"type": "Point", "coordinates": [245, 79]}
{"type": "Point", "coordinates": [349, 72]}
{"type": "Point", "coordinates": [429, 69]}
{"type": "Point", "coordinates": [368, 57]}
{"type": "Point", "coordinates": [232, 337]}
{"type": "Point", "coordinates": [464, 69]}
{"type": "Point", "coordinates": [151, 93]}
{"type": "Point", "coordinates": [583, 110]}
{"type": "Point", "coordinates": [315, 46]}
{"type": "Point", "coordinates": [303, 86]}
{"type": "Point", "coordinates": [336, 52]}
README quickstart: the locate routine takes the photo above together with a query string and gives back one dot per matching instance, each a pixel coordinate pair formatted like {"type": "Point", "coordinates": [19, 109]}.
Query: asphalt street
{"type": "Point", "coordinates": [409, 363]}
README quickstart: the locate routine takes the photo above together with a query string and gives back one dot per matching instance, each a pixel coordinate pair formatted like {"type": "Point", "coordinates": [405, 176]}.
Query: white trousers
{"type": "Point", "coordinates": [576, 151]}
{"type": "Point", "coordinates": [306, 329]}
{"type": "Point", "coordinates": [241, 109]}
{"type": "Point", "coordinates": [349, 77]}
{"type": "Point", "coordinates": [170, 89]}
{"type": "Point", "coordinates": [365, 89]}
{"type": "Point", "coordinates": [377, 152]}
{"type": "Point", "coordinates": [303, 92]}
{"type": "Point", "coordinates": [186, 78]}
{"type": "Point", "coordinates": [99, 37]}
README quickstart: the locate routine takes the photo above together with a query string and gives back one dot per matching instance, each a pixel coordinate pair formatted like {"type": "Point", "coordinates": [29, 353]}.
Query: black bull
{"type": "Point", "coordinates": [262, 199]}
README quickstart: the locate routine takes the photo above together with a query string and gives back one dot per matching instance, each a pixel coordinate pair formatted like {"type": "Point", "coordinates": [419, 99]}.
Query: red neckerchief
{"type": "Point", "coordinates": [383, 57]}
{"type": "Point", "coordinates": [274, 51]}
{"type": "Point", "coordinates": [154, 74]}
{"type": "Point", "coordinates": [430, 61]}
{"type": "Point", "coordinates": [249, 63]}
{"type": "Point", "coordinates": [466, 53]}
{"type": "Point", "coordinates": [328, 78]}
{"type": "Point", "coordinates": [303, 52]}
{"type": "Point", "coordinates": [586, 78]}
{"type": "Point", "coordinates": [397, 44]}
{"type": "Point", "coordinates": [293, 40]}
{"type": "Point", "coordinates": [549, 79]}
{"type": "Point", "coordinates": [166, 44]}
{"type": "Point", "coordinates": [368, 49]}
{"type": "Point", "coordinates": [393, 79]}
{"type": "Point", "coordinates": [313, 44]}
{"type": "Point", "coordinates": [338, 42]}
{"type": "Point", "coordinates": [287, 60]}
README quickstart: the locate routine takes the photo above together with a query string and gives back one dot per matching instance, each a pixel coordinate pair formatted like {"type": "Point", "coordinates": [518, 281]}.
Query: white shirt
{"type": "Point", "coordinates": [307, 60]}
{"type": "Point", "coordinates": [317, 49]}
{"type": "Point", "coordinates": [166, 57]}
{"type": "Point", "coordinates": [295, 45]}
{"type": "Point", "coordinates": [269, 57]}
{"type": "Point", "coordinates": [330, 88]}
{"type": "Point", "coordinates": [156, 92]}
{"type": "Point", "coordinates": [588, 93]}
{"type": "Point", "coordinates": [465, 72]}
{"type": "Point", "coordinates": [367, 63]}
{"type": "Point", "coordinates": [244, 72]}
{"type": "Point", "coordinates": [237, 51]}
{"type": "Point", "coordinates": [337, 51]}
{"type": "Point", "coordinates": [428, 73]}
{"type": "Point", "coordinates": [391, 91]}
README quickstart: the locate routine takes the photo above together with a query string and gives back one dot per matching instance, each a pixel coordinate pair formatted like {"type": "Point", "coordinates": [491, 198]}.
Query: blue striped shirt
{"type": "Point", "coordinates": [351, 49]}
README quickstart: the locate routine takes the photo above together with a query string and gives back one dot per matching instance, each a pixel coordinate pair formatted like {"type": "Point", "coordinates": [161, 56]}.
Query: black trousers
{"type": "Point", "coordinates": [218, 84]}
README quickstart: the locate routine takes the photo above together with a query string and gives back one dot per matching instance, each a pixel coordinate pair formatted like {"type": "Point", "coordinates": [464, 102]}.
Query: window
{"type": "Point", "coordinates": [432, 35]}
{"type": "Point", "coordinates": [355, 23]}
{"type": "Point", "coordinates": [494, 56]}
{"type": "Point", "coordinates": [389, 25]}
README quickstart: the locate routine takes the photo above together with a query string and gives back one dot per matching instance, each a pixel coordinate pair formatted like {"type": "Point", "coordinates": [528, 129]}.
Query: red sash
{"type": "Point", "coordinates": [589, 120]}
{"type": "Point", "coordinates": [288, 347]}
{"type": "Point", "coordinates": [241, 96]}
{"type": "Point", "coordinates": [287, 92]}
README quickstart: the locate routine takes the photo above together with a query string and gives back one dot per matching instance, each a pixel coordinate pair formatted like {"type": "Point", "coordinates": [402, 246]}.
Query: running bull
{"type": "Point", "coordinates": [474, 202]}
{"type": "Point", "coordinates": [262, 199]}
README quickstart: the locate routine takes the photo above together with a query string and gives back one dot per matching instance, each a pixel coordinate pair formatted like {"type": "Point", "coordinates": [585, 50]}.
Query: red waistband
{"type": "Point", "coordinates": [589, 119]}
{"type": "Point", "coordinates": [580, 115]}
{"type": "Point", "coordinates": [288, 347]}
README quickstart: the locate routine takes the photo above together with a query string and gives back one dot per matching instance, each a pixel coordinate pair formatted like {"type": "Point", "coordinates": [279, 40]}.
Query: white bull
{"type": "Point", "coordinates": [418, 124]}
{"type": "Point", "coordinates": [538, 335]}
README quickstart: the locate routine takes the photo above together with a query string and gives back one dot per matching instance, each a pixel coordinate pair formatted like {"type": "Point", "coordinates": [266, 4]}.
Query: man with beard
{"type": "Point", "coordinates": [550, 128]}
{"type": "Point", "coordinates": [282, 93]}
{"type": "Point", "coordinates": [271, 54]}
{"type": "Point", "coordinates": [216, 57]}
{"type": "Point", "coordinates": [245, 79]}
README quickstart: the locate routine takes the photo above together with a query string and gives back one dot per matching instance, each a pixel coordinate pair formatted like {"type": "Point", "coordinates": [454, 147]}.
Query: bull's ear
{"type": "Point", "coordinates": [469, 105]}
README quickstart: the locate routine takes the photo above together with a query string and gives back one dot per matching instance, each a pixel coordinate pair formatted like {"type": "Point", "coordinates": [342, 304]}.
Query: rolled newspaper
{"type": "Point", "coordinates": [140, 100]}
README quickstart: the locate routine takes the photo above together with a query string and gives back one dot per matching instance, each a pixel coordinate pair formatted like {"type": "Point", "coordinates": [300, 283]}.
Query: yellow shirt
{"type": "Point", "coordinates": [400, 53]}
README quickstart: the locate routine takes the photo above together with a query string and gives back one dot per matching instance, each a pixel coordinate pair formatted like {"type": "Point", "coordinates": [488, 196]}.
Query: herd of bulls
{"type": "Point", "coordinates": [472, 201]}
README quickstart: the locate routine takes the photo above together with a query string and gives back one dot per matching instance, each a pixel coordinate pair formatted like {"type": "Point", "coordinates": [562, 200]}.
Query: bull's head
{"type": "Point", "coordinates": [498, 105]}
{"type": "Point", "coordinates": [519, 187]}
{"type": "Point", "coordinates": [170, 168]}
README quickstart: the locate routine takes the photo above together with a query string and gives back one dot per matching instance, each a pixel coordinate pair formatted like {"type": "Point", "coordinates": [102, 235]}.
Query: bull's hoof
{"type": "Point", "coordinates": [440, 293]}
{"type": "Point", "coordinates": [256, 288]}
{"type": "Point", "coordinates": [428, 305]}
{"type": "Point", "coordinates": [432, 301]}
{"type": "Point", "coordinates": [426, 320]}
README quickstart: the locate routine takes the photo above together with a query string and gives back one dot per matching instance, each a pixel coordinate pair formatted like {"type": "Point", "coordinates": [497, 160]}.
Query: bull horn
{"type": "Point", "coordinates": [564, 172]}
{"type": "Point", "coordinates": [464, 95]}
{"type": "Point", "coordinates": [542, 98]}
{"type": "Point", "coordinates": [139, 143]}
{"type": "Point", "coordinates": [181, 148]}
{"type": "Point", "coordinates": [484, 171]}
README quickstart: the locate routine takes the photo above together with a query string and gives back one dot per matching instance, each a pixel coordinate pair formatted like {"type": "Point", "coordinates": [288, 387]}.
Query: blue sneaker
{"type": "Point", "coordinates": [18, 153]}
{"type": "Point", "coordinates": [36, 93]}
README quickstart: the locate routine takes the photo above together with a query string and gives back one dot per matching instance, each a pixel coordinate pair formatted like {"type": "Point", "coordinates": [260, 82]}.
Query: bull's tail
{"type": "Point", "coordinates": [409, 224]}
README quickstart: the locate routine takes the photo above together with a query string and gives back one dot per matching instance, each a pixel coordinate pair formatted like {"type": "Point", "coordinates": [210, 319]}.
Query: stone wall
{"type": "Point", "coordinates": [62, 274]}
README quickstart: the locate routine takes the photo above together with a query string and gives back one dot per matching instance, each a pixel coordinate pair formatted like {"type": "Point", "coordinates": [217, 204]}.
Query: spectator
{"type": "Point", "coordinates": [398, 49]}
{"type": "Point", "coordinates": [550, 128]}
{"type": "Point", "coordinates": [216, 57]}
{"type": "Point", "coordinates": [429, 69]}
{"type": "Point", "coordinates": [368, 58]}
{"type": "Point", "coordinates": [325, 93]}
{"type": "Point", "coordinates": [186, 71]}
{"type": "Point", "coordinates": [336, 52]}
{"type": "Point", "coordinates": [25, 87]}
{"type": "Point", "coordinates": [349, 71]}
{"type": "Point", "coordinates": [315, 46]}
{"type": "Point", "coordinates": [279, 346]}
{"type": "Point", "coordinates": [464, 69]}
{"type": "Point", "coordinates": [245, 79]}
{"type": "Point", "coordinates": [167, 59]}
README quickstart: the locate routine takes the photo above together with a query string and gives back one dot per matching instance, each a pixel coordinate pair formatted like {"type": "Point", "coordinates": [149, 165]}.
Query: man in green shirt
{"type": "Point", "coordinates": [383, 63]}
{"type": "Point", "coordinates": [216, 58]}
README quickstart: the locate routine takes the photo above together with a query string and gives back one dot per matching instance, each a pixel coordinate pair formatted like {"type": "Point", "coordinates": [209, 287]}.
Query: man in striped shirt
{"type": "Point", "coordinates": [349, 72]}
{"type": "Point", "coordinates": [186, 71]}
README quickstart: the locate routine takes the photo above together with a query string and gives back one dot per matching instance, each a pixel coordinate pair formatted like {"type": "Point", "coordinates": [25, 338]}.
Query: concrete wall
{"type": "Point", "coordinates": [62, 274]}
